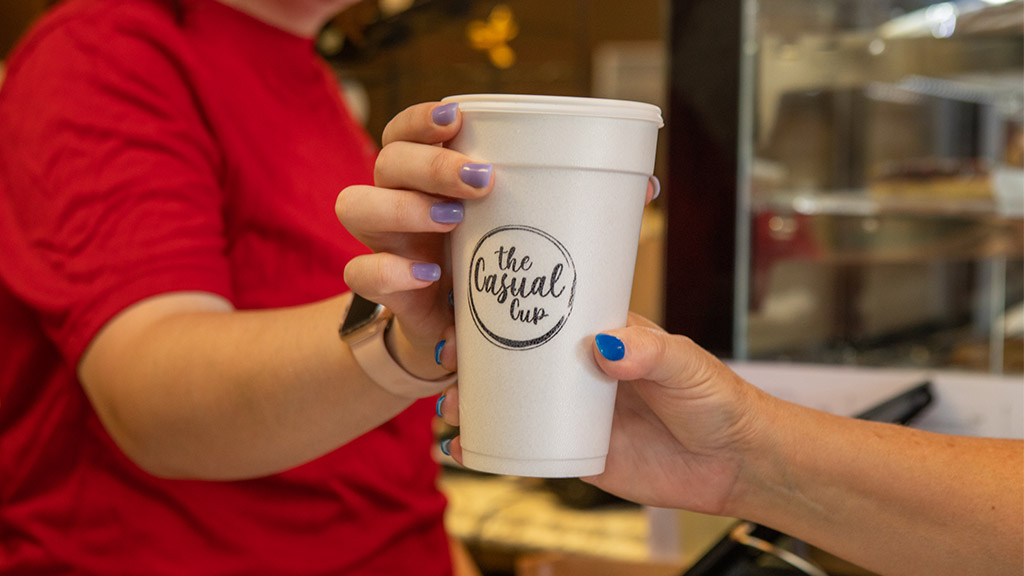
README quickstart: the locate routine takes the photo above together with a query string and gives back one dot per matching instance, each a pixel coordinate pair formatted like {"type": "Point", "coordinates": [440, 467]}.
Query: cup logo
{"type": "Point", "coordinates": [522, 283]}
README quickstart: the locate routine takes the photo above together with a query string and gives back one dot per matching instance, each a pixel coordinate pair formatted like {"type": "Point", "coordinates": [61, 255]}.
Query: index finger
{"type": "Point", "coordinates": [426, 123]}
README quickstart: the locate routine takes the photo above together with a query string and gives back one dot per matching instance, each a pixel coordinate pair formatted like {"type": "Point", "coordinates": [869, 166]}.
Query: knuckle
{"type": "Point", "coordinates": [404, 124]}
{"type": "Point", "coordinates": [660, 349]}
{"type": "Point", "coordinates": [351, 273]}
{"type": "Point", "coordinates": [692, 366]}
{"type": "Point", "coordinates": [440, 166]}
{"type": "Point", "coordinates": [403, 210]}
{"type": "Point", "coordinates": [380, 166]}
{"type": "Point", "coordinates": [343, 204]}
{"type": "Point", "coordinates": [393, 128]}
{"type": "Point", "coordinates": [351, 210]}
{"type": "Point", "coordinates": [370, 275]}
{"type": "Point", "coordinates": [671, 360]}
{"type": "Point", "coordinates": [385, 274]}
{"type": "Point", "coordinates": [340, 204]}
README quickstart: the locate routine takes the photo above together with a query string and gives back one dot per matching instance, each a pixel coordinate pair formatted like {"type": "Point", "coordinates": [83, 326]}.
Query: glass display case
{"type": "Point", "coordinates": [878, 193]}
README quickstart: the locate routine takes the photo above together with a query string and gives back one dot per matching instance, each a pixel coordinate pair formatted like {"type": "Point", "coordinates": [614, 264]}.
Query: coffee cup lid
{"type": "Point", "coordinates": [559, 105]}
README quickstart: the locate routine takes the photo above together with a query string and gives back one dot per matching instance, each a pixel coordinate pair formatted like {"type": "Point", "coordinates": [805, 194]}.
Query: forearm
{"type": "Point", "coordinates": [891, 499]}
{"type": "Point", "coordinates": [227, 394]}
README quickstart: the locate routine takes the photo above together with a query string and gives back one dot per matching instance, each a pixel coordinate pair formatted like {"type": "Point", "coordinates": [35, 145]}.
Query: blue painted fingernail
{"type": "Point", "coordinates": [444, 114]}
{"type": "Point", "coordinates": [657, 187]}
{"type": "Point", "coordinates": [437, 407]}
{"type": "Point", "coordinates": [451, 298]}
{"type": "Point", "coordinates": [476, 175]}
{"type": "Point", "coordinates": [446, 212]}
{"type": "Point", "coordinates": [610, 347]}
{"type": "Point", "coordinates": [437, 353]}
{"type": "Point", "coordinates": [426, 272]}
{"type": "Point", "coordinates": [446, 446]}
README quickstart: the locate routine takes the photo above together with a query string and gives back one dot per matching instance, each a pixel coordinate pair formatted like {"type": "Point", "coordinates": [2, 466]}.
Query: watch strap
{"type": "Point", "coordinates": [372, 355]}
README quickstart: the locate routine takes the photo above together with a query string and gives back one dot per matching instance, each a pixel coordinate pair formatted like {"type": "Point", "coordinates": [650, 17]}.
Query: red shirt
{"type": "Point", "coordinates": [146, 149]}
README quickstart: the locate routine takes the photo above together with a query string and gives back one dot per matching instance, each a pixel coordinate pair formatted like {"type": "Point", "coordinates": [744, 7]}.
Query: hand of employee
{"type": "Point", "coordinates": [415, 199]}
{"type": "Point", "coordinates": [190, 387]}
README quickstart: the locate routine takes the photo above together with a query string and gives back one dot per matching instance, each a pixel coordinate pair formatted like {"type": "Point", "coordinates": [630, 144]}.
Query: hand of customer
{"type": "Point", "coordinates": [681, 419]}
{"type": "Point", "coordinates": [415, 200]}
{"type": "Point", "coordinates": [689, 433]}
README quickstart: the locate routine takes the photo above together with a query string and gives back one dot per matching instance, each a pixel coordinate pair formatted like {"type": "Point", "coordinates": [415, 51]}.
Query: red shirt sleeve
{"type": "Point", "coordinates": [110, 192]}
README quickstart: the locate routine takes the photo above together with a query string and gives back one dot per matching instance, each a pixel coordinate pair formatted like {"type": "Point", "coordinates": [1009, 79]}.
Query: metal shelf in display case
{"type": "Point", "coordinates": [851, 188]}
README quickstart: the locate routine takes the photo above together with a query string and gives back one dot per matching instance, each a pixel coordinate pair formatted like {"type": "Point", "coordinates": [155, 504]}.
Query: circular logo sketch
{"type": "Point", "coordinates": [522, 282]}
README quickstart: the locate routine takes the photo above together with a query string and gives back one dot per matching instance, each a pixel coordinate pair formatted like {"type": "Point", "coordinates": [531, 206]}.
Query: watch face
{"type": "Point", "coordinates": [360, 313]}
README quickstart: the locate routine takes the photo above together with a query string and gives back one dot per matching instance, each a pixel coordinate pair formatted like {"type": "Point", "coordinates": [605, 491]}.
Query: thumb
{"type": "Point", "coordinates": [649, 353]}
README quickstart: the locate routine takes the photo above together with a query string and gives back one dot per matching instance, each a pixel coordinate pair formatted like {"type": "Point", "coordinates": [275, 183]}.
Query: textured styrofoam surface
{"type": "Point", "coordinates": [563, 220]}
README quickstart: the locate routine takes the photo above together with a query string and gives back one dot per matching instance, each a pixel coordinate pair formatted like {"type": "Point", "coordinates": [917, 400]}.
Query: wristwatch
{"type": "Point", "coordinates": [365, 325]}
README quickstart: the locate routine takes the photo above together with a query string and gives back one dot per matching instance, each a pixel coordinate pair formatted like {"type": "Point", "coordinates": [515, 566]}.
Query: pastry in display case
{"type": "Point", "coordinates": [888, 124]}
{"type": "Point", "coordinates": [880, 193]}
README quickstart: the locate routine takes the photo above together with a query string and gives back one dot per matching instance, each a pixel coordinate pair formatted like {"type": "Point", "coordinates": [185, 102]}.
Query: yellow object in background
{"type": "Point", "coordinates": [494, 34]}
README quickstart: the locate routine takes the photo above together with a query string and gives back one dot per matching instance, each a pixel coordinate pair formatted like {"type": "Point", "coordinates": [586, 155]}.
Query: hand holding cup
{"type": "Point", "coordinates": [416, 198]}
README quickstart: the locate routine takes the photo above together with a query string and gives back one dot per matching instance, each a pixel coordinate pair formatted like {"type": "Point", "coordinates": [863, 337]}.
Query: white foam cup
{"type": "Point", "coordinates": [542, 265]}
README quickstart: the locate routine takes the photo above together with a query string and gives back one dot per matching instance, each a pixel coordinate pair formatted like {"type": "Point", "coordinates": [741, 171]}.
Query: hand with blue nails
{"type": "Point", "coordinates": [681, 417]}
{"type": "Point", "coordinates": [415, 200]}
{"type": "Point", "coordinates": [689, 433]}
{"type": "Point", "coordinates": [666, 431]}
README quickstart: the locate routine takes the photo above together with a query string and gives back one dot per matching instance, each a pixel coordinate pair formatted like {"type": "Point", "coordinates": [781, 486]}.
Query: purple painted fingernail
{"type": "Point", "coordinates": [426, 272]}
{"type": "Point", "coordinates": [444, 114]}
{"type": "Point", "coordinates": [476, 175]}
{"type": "Point", "coordinates": [446, 212]}
{"type": "Point", "coordinates": [657, 187]}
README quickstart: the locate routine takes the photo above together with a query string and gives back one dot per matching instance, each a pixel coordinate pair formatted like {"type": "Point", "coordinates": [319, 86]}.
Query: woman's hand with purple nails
{"type": "Point", "coordinates": [403, 217]}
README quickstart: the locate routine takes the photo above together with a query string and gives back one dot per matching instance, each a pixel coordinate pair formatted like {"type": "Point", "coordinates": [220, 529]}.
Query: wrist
{"type": "Point", "coordinates": [782, 468]}
{"type": "Point", "coordinates": [416, 360]}
{"type": "Point", "coordinates": [762, 476]}
{"type": "Point", "coordinates": [385, 355]}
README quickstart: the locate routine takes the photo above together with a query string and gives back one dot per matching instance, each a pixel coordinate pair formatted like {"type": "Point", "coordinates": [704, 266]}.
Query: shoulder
{"type": "Point", "coordinates": [88, 59]}
{"type": "Point", "coordinates": [79, 21]}
{"type": "Point", "coordinates": [92, 36]}
{"type": "Point", "coordinates": [98, 87]}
